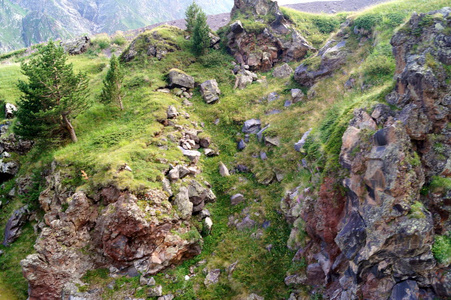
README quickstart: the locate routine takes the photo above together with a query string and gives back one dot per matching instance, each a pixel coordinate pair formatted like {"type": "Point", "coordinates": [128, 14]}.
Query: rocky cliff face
{"type": "Point", "coordinates": [376, 243]}
{"type": "Point", "coordinates": [265, 38]}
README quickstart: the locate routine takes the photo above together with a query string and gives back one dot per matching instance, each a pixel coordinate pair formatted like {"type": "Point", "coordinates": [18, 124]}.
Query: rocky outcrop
{"type": "Point", "coordinates": [153, 43]}
{"type": "Point", "coordinates": [114, 230]}
{"type": "Point", "coordinates": [76, 46]}
{"type": "Point", "coordinates": [376, 243]}
{"type": "Point", "coordinates": [331, 57]}
{"type": "Point", "coordinates": [265, 43]}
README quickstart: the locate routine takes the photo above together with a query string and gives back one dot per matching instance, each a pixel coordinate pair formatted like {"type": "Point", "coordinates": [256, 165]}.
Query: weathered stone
{"type": "Point", "coordinates": [210, 91]}
{"type": "Point", "coordinates": [284, 71]}
{"type": "Point", "coordinates": [167, 297]}
{"type": "Point", "coordinates": [178, 78]}
{"type": "Point", "coordinates": [405, 290]}
{"type": "Point", "coordinates": [260, 133]}
{"type": "Point", "coordinates": [205, 142]}
{"type": "Point", "coordinates": [207, 226]}
{"type": "Point", "coordinates": [172, 112]}
{"type": "Point", "coordinates": [236, 199]}
{"type": "Point", "coordinates": [273, 97]}
{"type": "Point", "coordinates": [212, 277]}
{"type": "Point", "coordinates": [14, 225]}
{"type": "Point", "coordinates": [192, 155]}
{"type": "Point", "coordinates": [223, 170]}
{"type": "Point", "coordinates": [10, 110]}
{"type": "Point", "coordinates": [237, 27]}
{"type": "Point", "coordinates": [254, 297]}
{"type": "Point", "coordinates": [155, 292]}
{"type": "Point", "coordinates": [296, 95]}
{"type": "Point", "coordinates": [183, 203]}
{"type": "Point", "coordinates": [241, 145]}
{"type": "Point", "coordinates": [300, 144]}
{"type": "Point", "coordinates": [76, 46]}
{"type": "Point", "coordinates": [273, 141]}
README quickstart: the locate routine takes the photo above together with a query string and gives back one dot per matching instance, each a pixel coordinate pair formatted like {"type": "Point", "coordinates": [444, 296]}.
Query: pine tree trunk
{"type": "Point", "coordinates": [70, 128]}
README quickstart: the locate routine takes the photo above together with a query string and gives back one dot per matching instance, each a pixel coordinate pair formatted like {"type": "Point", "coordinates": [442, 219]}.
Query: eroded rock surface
{"type": "Point", "coordinates": [272, 42]}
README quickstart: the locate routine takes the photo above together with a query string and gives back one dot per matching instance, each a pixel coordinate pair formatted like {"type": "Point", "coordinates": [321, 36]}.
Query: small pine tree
{"type": "Point", "coordinates": [112, 85]}
{"type": "Point", "coordinates": [201, 39]}
{"type": "Point", "coordinates": [191, 15]}
{"type": "Point", "coordinates": [51, 97]}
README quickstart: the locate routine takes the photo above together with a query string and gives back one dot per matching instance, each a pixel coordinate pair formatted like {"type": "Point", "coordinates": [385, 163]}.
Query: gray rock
{"type": "Point", "coordinates": [223, 170]}
{"type": "Point", "coordinates": [255, 297]}
{"type": "Point", "coordinates": [246, 223]}
{"type": "Point", "coordinates": [166, 297]}
{"type": "Point", "coordinates": [236, 199]}
{"type": "Point", "coordinates": [242, 81]}
{"type": "Point", "coordinates": [178, 78]}
{"type": "Point", "coordinates": [214, 40]}
{"type": "Point", "coordinates": [296, 95]}
{"type": "Point", "coordinates": [172, 112]}
{"type": "Point", "coordinates": [14, 225]}
{"type": "Point", "coordinates": [207, 225]}
{"type": "Point", "coordinates": [10, 110]}
{"type": "Point", "coordinates": [76, 46]}
{"type": "Point", "coordinates": [260, 133]}
{"type": "Point", "coordinates": [263, 155]}
{"type": "Point", "coordinates": [405, 290]}
{"type": "Point", "coordinates": [204, 213]}
{"type": "Point", "coordinates": [298, 146]}
{"type": "Point", "coordinates": [284, 71]}
{"type": "Point", "coordinates": [210, 91]}
{"type": "Point", "coordinates": [273, 141]}
{"type": "Point", "coordinates": [273, 97]}
{"type": "Point", "coordinates": [287, 103]}
{"type": "Point", "coordinates": [192, 155]}
{"type": "Point", "coordinates": [183, 203]}
{"type": "Point", "coordinates": [241, 145]}
{"type": "Point", "coordinates": [210, 152]}
{"type": "Point", "coordinates": [212, 277]}
{"type": "Point", "coordinates": [155, 292]}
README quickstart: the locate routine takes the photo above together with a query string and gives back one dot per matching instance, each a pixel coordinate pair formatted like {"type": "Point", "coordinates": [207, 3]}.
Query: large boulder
{"type": "Point", "coordinates": [76, 46]}
{"type": "Point", "coordinates": [178, 78]}
{"type": "Point", "coordinates": [210, 91]}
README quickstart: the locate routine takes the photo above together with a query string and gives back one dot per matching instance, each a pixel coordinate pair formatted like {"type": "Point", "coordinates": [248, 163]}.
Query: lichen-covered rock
{"type": "Point", "coordinates": [178, 78]}
{"type": "Point", "coordinates": [284, 71]}
{"type": "Point", "coordinates": [274, 41]}
{"type": "Point", "coordinates": [157, 43]}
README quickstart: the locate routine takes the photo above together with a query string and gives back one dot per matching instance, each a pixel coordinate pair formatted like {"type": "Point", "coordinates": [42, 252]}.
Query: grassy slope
{"type": "Point", "coordinates": [109, 138]}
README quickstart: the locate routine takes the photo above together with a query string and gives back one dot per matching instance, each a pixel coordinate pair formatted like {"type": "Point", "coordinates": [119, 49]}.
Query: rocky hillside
{"type": "Point", "coordinates": [302, 157]}
{"type": "Point", "coordinates": [26, 22]}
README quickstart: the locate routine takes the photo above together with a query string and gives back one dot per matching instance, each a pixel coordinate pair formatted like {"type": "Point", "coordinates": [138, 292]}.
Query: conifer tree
{"type": "Point", "coordinates": [52, 96]}
{"type": "Point", "coordinates": [112, 85]}
{"type": "Point", "coordinates": [191, 14]}
{"type": "Point", "coordinates": [200, 39]}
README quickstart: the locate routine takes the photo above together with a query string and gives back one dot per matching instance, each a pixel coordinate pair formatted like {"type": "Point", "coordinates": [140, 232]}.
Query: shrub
{"type": "Point", "coordinates": [119, 40]}
{"type": "Point", "coordinates": [367, 21]}
{"type": "Point", "coordinates": [326, 25]}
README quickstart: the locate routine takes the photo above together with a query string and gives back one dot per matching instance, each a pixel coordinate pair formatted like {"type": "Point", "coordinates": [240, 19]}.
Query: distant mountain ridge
{"type": "Point", "coordinates": [25, 22]}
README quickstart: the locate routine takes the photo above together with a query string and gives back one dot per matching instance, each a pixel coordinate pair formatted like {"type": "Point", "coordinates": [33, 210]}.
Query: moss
{"type": "Point", "coordinates": [417, 210]}
{"type": "Point", "coordinates": [442, 248]}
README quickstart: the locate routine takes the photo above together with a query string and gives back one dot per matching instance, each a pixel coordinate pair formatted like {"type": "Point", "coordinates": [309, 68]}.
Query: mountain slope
{"type": "Point", "coordinates": [25, 22]}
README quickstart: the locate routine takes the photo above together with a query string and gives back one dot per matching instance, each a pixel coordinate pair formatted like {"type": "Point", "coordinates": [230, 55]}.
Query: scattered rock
{"type": "Point", "coordinates": [241, 145]}
{"type": "Point", "coordinates": [10, 110]}
{"type": "Point", "coordinates": [296, 95]}
{"type": "Point", "coordinates": [223, 170]}
{"type": "Point", "coordinates": [273, 141]}
{"type": "Point", "coordinates": [147, 281]}
{"type": "Point", "coordinates": [236, 199]}
{"type": "Point", "coordinates": [273, 97]}
{"type": "Point", "coordinates": [167, 297]}
{"type": "Point", "coordinates": [155, 292]}
{"type": "Point", "coordinates": [172, 112]}
{"type": "Point", "coordinates": [207, 226]}
{"type": "Point", "coordinates": [260, 133]}
{"type": "Point", "coordinates": [300, 144]}
{"type": "Point", "coordinates": [255, 297]}
{"type": "Point", "coordinates": [284, 71]}
{"type": "Point", "coordinates": [210, 91]}
{"type": "Point", "coordinates": [212, 277]}
{"type": "Point", "coordinates": [192, 155]}
{"type": "Point", "coordinates": [178, 78]}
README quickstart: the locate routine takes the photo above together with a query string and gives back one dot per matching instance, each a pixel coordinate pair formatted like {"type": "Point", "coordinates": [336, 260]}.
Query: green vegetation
{"type": "Point", "coordinates": [52, 96]}
{"type": "Point", "coordinates": [191, 14]}
{"type": "Point", "coordinates": [109, 137]}
{"type": "Point", "coordinates": [442, 248]}
{"type": "Point", "coordinates": [112, 85]}
{"type": "Point", "coordinates": [200, 40]}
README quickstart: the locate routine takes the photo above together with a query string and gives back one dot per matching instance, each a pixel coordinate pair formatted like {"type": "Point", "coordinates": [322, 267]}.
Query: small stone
{"type": "Point", "coordinates": [10, 110]}
{"type": "Point", "coordinates": [205, 142]}
{"type": "Point", "coordinates": [251, 126]}
{"type": "Point", "coordinates": [192, 155]}
{"type": "Point", "coordinates": [273, 97]}
{"type": "Point", "coordinates": [287, 103]}
{"type": "Point", "coordinates": [155, 292]}
{"type": "Point", "coordinates": [210, 91]}
{"type": "Point", "coordinates": [273, 141]}
{"type": "Point", "coordinates": [300, 144]}
{"type": "Point", "coordinates": [166, 297]}
{"type": "Point", "coordinates": [236, 199]}
{"type": "Point", "coordinates": [284, 71]}
{"type": "Point", "coordinates": [223, 170]}
{"type": "Point", "coordinates": [210, 152]}
{"type": "Point", "coordinates": [241, 145]}
{"type": "Point", "coordinates": [207, 226]}
{"type": "Point", "coordinates": [212, 277]}
{"type": "Point", "coordinates": [296, 95]}
{"type": "Point", "coordinates": [263, 155]}
{"type": "Point", "coordinates": [187, 103]}
{"type": "Point", "coordinates": [172, 112]}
